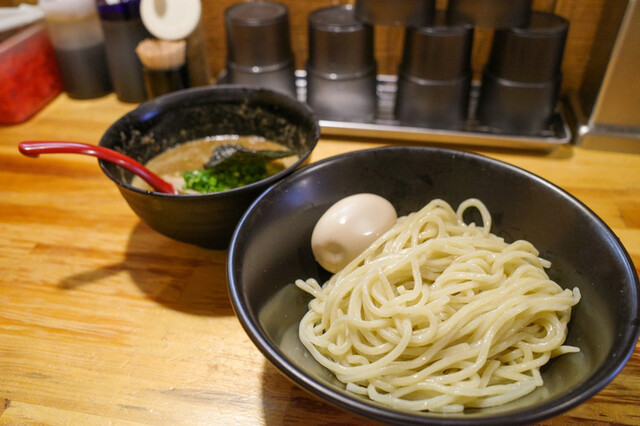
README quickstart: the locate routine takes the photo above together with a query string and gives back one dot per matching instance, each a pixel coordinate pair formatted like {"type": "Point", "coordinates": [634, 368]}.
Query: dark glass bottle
{"type": "Point", "coordinates": [123, 30]}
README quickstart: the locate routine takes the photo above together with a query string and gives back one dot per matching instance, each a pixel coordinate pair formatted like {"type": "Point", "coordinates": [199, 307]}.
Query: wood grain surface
{"type": "Point", "coordinates": [105, 321]}
{"type": "Point", "coordinates": [583, 15]}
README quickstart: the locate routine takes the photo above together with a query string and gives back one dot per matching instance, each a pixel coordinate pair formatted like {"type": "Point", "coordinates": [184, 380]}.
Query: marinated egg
{"type": "Point", "coordinates": [348, 227]}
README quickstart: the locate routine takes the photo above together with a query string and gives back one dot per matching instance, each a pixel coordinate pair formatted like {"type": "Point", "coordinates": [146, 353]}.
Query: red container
{"type": "Point", "coordinates": [29, 77]}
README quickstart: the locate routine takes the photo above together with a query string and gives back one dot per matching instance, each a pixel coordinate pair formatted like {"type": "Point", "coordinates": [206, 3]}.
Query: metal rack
{"type": "Point", "coordinates": [387, 127]}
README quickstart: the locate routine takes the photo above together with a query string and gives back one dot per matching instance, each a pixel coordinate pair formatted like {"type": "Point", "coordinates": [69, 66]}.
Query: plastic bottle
{"type": "Point", "coordinates": [78, 41]}
{"type": "Point", "coordinates": [123, 30]}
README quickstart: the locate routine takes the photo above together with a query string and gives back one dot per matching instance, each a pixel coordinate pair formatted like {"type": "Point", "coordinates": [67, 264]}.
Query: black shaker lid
{"type": "Point", "coordinates": [490, 13]}
{"type": "Point", "coordinates": [258, 34]}
{"type": "Point", "coordinates": [395, 12]}
{"type": "Point", "coordinates": [437, 52]}
{"type": "Point", "coordinates": [124, 10]}
{"type": "Point", "coordinates": [531, 54]}
{"type": "Point", "coordinates": [338, 42]}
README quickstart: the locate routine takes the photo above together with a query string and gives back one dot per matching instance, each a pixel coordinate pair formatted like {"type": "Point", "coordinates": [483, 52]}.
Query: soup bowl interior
{"type": "Point", "coordinates": [262, 267]}
{"type": "Point", "coordinates": [170, 120]}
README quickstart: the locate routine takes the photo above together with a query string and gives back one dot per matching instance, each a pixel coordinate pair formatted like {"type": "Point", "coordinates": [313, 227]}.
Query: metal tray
{"type": "Point", "coordinates": [386, 127]}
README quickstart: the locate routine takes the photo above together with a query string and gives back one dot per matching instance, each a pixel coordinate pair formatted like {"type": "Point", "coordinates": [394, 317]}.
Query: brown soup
{"type": "Point", "coordinates": [172, 163]}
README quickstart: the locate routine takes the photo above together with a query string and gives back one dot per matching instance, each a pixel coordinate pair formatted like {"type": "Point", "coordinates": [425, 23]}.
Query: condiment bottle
{"type": "Point", "coordinates": [123, 30]}
{"type": "Point", "coordinates": [434, 77]}
{"type": "Point", "coordinates": [176, 20]}
{"type": "Point", "coordinates": [78, 41]}
{"type": "Point", "coordinates": [164, 67]}
{"type": "Point", "coordinates": [521, 81]}
{"type": "Point", "coordinates": [259, 46]}
{"type": "Point", "coordinates": [341, 68]}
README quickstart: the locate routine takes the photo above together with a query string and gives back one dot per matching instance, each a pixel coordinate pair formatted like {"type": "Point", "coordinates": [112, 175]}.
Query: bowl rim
{"type": "Point", "coordinates": [152, 108]}
{"type": "Point", "coordinates": [594, 383]}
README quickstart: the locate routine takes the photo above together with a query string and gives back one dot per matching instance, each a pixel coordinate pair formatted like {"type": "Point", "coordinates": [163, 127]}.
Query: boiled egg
{"type": "Point", "coordinates": [348, 227]}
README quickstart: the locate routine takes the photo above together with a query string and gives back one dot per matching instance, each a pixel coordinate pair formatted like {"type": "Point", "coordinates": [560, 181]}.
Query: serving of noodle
{"type": "Point", "coordinates": [439, 315]}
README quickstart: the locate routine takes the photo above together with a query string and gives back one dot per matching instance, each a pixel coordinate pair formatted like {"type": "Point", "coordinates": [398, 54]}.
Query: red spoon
{"type": "Point", "coordinates": [35, 148]}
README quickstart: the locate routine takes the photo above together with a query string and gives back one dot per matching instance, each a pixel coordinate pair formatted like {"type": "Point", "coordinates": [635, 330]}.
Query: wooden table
{"type": "Point", "coordinates": [103, 320]}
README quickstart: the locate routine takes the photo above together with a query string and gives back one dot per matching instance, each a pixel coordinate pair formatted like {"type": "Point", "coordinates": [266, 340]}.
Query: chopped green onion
{"type": "Point", "coordinates": [223, 178]}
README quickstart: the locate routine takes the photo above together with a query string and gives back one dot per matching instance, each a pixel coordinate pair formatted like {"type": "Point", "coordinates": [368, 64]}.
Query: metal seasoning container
{"type": "Point", "coordinates": [259, 47]}
{"type": "Point", "coordinates": [341, 69]}
{"type": "Point", "coordinates": [123, 30]}
{"type": "Point", "coordinates": [434, 77]}
{"type": "Point", "coordinates": [521, 81]}
{"type": "Point", "coordinates": [395, 12]}
{"type": "Point", "coordinates": [78, 42]}
{"type": "Point", "coordinates": [490, 13]}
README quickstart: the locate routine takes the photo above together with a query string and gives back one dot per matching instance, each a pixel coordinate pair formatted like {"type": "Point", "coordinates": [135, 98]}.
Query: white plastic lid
{"type": "Point", "coordinates": [14, 17]}
{"type": "Point", "coordinates": [170, 19]}
{"type": "Point", "coordinates": [68, 7]}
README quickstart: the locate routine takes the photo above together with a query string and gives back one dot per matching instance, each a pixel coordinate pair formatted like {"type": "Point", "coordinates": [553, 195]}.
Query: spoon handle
{"type": "Point", "coordinates": [35, 148]}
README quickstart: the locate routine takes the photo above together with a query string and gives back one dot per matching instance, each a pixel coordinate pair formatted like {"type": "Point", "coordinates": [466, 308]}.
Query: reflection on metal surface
{"type": "Point", "coordinates": [607, 108]}
{"type": "Point", "coordinates": [385, 126]}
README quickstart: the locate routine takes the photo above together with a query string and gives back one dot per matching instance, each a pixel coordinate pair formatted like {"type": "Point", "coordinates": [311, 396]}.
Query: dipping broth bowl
{"type": "Point", "coordinates": [209, 219]}
{"type": "Point", "coordinates": [262, 267]}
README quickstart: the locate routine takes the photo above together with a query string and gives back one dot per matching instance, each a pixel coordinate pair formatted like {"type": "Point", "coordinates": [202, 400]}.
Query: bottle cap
{"type": "Point", "coordinates": [532, 54]}
{"type": "Point", "coordinates": [258, 34]}
{"type": "Point", "coordinates": [118, 10]}
{"type": "Point", "coordinates": [338, 42]}
{"type": "Point", "coordinates": [170, 19]}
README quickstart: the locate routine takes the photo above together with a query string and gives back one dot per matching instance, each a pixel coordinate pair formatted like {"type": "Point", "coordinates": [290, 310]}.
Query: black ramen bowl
{"type": "Point", "coordinates": [205, 219]}
{"type": "Point", "coordinates": [262, 267]}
